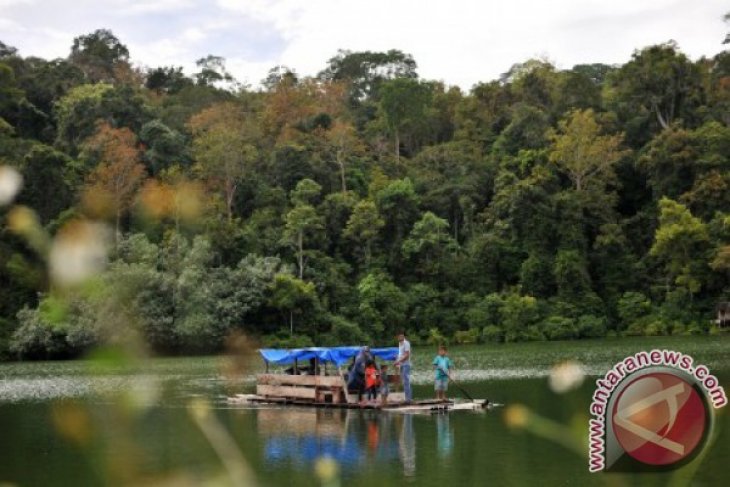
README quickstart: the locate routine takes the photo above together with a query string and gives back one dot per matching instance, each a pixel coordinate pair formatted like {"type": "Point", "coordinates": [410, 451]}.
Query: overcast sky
{"type": "Point", "coordinates": [457, 41]}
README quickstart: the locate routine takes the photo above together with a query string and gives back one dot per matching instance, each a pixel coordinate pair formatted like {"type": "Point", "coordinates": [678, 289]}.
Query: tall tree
{"type": "Point", "coordinates": [212, 71]}
{"type": "Point", "coordinates": [119, 175]}
{"type": "Point", "coordinates": [10, 93]}
{"type": "Point", "coordinates": [659, 80]}
{"type": "Point", "coordinates": [681, 243]}
{"type": "Point", "coordinates": [367, 70]}
{"type": "Point", "coordinates": [47, 172]}
{"type": "Point", "coordinates": [6, 50]}
{"type": "Point", "coordinates": [403, 103]}
{"type": "Point", "coordinates": [344, 141]}
{"type": "Point", "coordinates": [303, 221]}
{"type": "Point", "coordinates": [580, 151]}
{"type": "Point", "coordinates": [224, 147]}
{"type": "Point", "coordinates": [78, 111]}
{"type": "Point", "coordinates": [167, 79]}
{"type": "Point", "coordinates": [291, 295]}
{"type": "Point", "coordinates": [398, 204]}
{"type": "Point", "coordinates": [428, 242]}
{"type": "Point", "coordinates": [363, 227]}
{"type": "Point", "coordinates": [99, 55]}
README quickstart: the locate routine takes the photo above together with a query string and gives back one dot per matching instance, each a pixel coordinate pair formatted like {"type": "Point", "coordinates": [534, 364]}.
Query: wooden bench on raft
{"type": "Point", "coordinates": [314, 388]}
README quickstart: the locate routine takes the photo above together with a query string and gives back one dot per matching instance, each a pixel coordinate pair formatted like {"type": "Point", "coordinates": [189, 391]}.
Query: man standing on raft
{"type": "Point", "coordinates": [404, 362]}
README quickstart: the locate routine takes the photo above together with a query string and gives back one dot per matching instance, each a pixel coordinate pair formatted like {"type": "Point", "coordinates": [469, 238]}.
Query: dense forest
{"type": "Point", "coordinates": [546, 205]}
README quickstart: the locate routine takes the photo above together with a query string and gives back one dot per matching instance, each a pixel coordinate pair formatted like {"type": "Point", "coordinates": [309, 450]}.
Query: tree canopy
{"type": "Point", "coordinates": [548, 204]}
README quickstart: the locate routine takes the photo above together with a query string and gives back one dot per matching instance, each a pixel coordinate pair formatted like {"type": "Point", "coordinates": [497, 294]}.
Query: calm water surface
{"type": "Point", "coordinates": [76, 423]}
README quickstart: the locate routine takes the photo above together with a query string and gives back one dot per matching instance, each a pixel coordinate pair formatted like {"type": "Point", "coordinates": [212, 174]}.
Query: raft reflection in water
{"type": "Point", "coordinates": [352, 438]}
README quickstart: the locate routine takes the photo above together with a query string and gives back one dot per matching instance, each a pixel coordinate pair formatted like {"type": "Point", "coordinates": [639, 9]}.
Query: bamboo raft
{"type": "Point", "coordinates": [322, 390]}
{"type": "Point", "coordinates": [422, 406]}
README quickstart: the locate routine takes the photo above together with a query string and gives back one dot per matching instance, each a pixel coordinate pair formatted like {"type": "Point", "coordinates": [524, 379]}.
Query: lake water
{"type": "Point", "coordinates": [167, 422]}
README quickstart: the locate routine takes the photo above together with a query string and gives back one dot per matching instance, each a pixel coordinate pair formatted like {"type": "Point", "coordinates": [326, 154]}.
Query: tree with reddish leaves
{"type": "Point", "coordinates": [112, 185]}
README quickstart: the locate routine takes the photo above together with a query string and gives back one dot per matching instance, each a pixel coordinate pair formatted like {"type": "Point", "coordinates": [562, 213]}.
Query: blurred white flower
{"type": "Point", "coordinates": [78, 252]}
{"type": "Point", "coordinates": [566, 376]}
{"type": "Point", "coordinates": [144, 394]}
{"type": "Point", "coordinates": [10, 183]}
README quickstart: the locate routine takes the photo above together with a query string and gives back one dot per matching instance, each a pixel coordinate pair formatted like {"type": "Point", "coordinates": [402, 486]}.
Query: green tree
{"type": "Point", "coordinates": [383, 305]}
{"type": "Point", "coordinates": [527, 129]}
{"type": "Point", "coordinates": [47, 172]}
{"type": "Point", "coordinates": [367, 70]}
{"type": "Point", "coordinates": [80, 109]}
{"type": "Point", "coordinates": [587, 157]}
{"type": "Point", "coordinates": [291, 296]}
{"type": "Point", "coordinates": [481, 116]}
{"type": "Point", "coordinates": [6, 50]}
{"type": "Point", "coordinates": [302, 221]}
{"type": "Point", "coordinates": [403, 104]}
{"type": "Point", "coordinates": [363, 228]}
{"type": "Point", "coordinates": [398, 204]}
{"type": "Point", "coordinates": [659, 82]}
{"type": "Point", "coordinates": [167, 79]}
{"type": "Point", "coordinates": [681, 245]}
{"type": "Point", "coordinates": [668, 162]}
{"type": "Point", "coordinates": [306, 192]}
{"type": "Point", "coordinates": [520, 315]}
{"type": "Point", "coordinates": [632, 307]}
{"type": "Point", "coordinates": [429, 241]}
{"type": "Point", "coordinates": [164, 147]}
{"type": "Point", "coordinates": [99, 55]}
{"type": "Point", "coordinates": [10, 94]}
{"type": "Point", "coordinates": [224, 147]}
{"type": "Point", "coordinates": [345, 142]}
{"type": "Point", "coordinates": [533, 82]}
{"type": "Point", "coordinates": [453, 179]}
{"type": "Point", "coordinates": [536, 275]}
{"type": "Point", "coordinates": [212, 71]}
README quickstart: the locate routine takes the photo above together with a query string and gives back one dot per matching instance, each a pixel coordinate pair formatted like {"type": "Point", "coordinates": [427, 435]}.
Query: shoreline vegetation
{"type": "Point", "coordinates": [175, 214]}
{"type": "Point", "coordinates": [476, 362]}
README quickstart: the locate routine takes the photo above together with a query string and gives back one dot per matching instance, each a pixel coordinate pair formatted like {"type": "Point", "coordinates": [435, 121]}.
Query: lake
{"type": "Point", "coordinates": [166, 421]}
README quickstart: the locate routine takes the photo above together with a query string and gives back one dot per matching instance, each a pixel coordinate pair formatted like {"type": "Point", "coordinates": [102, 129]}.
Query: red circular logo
{"type": "Point", "coordinates": [659, 419]}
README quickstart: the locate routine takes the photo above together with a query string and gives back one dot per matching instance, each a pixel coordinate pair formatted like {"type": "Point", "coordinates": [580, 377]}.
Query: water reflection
{"type": "Point", "coordinates": [352, 438]}
{"type": "Point", "coordinates": [407, 446]}
{"type": "Point", "coordinates": [444, 436]}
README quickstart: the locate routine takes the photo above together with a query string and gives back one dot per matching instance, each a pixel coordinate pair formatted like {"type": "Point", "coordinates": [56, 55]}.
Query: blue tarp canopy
{"type": "Point", "coordinates": [336, 355]}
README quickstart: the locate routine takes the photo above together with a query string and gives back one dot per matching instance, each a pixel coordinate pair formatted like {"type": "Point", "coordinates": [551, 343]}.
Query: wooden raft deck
{"type": "Point", "coordinates": [424, 404]}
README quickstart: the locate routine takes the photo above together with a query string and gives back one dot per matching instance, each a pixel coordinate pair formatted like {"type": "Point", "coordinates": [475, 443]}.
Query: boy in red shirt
{"type": "Point", "coordinates": [372, 381]}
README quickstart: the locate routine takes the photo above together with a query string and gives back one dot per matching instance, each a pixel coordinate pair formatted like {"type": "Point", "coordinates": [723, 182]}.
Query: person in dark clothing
{"type": "Point", "coordinates": [356, 378]}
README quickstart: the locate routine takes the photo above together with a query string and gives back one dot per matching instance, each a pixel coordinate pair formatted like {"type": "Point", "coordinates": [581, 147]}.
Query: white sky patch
{"type": "Point", "coordinates": [465, 41]}
{"type": "Point", "coordinates": [165, 52]}
{"type": "Point", "coordinates": [459, 41]}
{"type": "Point", "coordinates": [194, 34]}
{"type": "Point", "coordinates": [148, 6]}
{"type": "Point", "coordinates": [7, 25]}
{"type": "Point", "coordinates": [249, 73]}
{"type": "Point", "coordinates": [8, 3]}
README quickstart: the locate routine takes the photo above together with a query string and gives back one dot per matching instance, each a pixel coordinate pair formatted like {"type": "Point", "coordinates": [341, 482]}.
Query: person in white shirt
{"type": "Point", "coordinates": [404, 362]}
